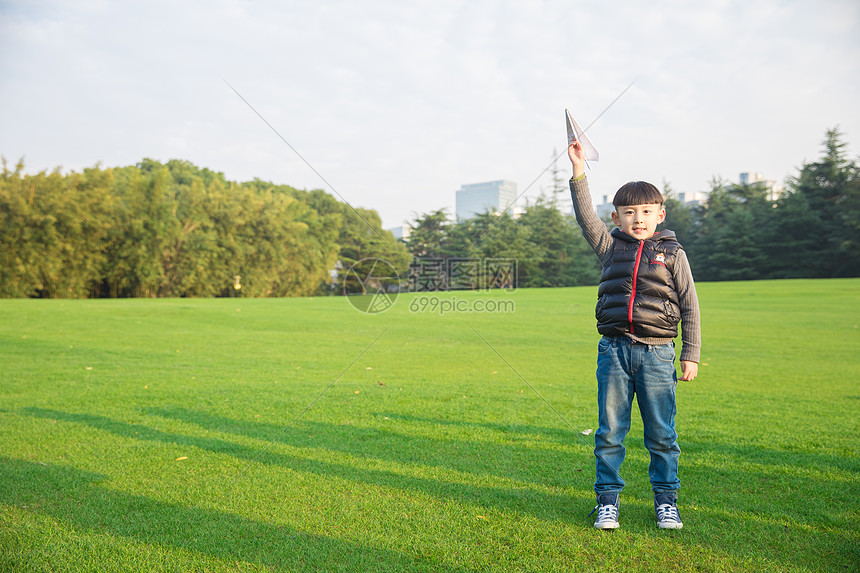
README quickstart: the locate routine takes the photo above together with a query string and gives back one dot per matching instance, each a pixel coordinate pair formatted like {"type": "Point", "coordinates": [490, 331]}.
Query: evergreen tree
{"type": "Point", "coordinates": [560, 191]}
{"type": "Point", "coordinates": [732, 233]}
{"type": "Point", "coordinates": [830, 190]}
{"type": "Point", "coordinates": [679, 216]}
{"type": "Point", "coordinates": [428, 237]}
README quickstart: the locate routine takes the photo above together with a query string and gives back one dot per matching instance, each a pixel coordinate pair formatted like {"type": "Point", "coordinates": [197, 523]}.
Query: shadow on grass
{"type": "Point", "coordinates": [523, 459]}
{"type": "Point", "coordinates": [363, 443]}
{"type": "Point", "coordinates": [801, 506]}
{"type": "Point", "coordinates": [557, 435]}
{"type": "Point", "coordinates": [774, 513]}
{"type": "Point", "coordinates": [73, 496]}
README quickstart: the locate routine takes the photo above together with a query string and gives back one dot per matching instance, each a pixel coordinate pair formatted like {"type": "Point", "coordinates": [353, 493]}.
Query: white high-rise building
{"type": "Point", "coordinates": [493, 196]}
{"type": "Point", "coordinates": [401, 232]}
{"type": "Point", "coordinates": [774, 189]}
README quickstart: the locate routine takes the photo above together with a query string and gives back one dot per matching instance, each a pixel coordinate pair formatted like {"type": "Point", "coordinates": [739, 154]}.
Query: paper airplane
{"type": "Point", "coordinates": [574, 133]}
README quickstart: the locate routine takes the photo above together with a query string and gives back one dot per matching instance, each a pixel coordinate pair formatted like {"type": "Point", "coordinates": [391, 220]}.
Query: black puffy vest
{"type": "Point", "coordinates": [654, 311]}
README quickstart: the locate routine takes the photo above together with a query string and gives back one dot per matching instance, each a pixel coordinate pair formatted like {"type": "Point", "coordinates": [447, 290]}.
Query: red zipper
{"type": "Point", "coordinates": [633, 290]}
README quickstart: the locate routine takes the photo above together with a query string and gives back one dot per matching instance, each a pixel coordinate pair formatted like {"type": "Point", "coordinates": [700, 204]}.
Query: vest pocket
{"type": "Point", "coordinates": [671, 312]}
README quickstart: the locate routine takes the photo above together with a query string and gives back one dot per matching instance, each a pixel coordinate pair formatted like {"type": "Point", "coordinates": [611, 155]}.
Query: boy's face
{"type": "Point", "coordinates": [639, 221]}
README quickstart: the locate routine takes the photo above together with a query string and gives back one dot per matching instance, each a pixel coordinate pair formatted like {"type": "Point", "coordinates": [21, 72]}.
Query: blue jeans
{"type": "Point", "coordinates": [625, 369]}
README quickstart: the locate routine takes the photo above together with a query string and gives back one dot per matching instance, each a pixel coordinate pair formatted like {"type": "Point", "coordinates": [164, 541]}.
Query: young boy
{"type": "Point", "coordinates": [646, 289]}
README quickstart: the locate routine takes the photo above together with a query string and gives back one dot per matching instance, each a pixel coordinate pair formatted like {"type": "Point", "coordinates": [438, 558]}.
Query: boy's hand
{"type": "Point", "coordinates": [577, 158]}
{"type": "Point", "coordinates": [689, 370]}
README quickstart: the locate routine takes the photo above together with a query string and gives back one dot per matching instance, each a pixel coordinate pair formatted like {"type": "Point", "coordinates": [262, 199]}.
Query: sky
{"type": "Point", "coordinates": [394, 105]}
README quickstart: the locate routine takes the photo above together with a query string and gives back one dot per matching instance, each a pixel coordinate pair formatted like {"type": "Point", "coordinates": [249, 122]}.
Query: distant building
{"type": "Point", "coordinates": [493, 196]}
{"type": "Point", "coordinates": [774, 189]}
{"type": "Point", "coordinates": [605, 209]}
{"type": "Point", "coordinates": [401, 233]}
{"type": "Point", "coordinates": [692, 199]}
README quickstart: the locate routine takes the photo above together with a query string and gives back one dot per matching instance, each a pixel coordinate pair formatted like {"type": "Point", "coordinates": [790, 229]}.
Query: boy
{"type": "Point", "coordinates": [646, 288]}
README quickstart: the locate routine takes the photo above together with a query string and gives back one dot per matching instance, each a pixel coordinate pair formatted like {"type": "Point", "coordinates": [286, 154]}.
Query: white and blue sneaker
{"type": "Point", "coordinates": [667, 513]}
{"type": "Point", "coordinates": [607, 511]}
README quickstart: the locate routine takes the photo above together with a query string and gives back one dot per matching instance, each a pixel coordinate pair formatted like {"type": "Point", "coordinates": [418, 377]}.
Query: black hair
{"type": "Point", "coordinates": [637, 193]}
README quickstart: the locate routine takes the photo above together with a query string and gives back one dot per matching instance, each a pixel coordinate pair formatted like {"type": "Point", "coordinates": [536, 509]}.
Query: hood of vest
{"type": "Point", "coordinates": [664, 235]}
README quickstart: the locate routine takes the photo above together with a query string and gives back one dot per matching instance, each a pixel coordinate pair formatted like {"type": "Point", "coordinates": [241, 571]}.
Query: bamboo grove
{"type": "Point", "coordinates": [162, 230]}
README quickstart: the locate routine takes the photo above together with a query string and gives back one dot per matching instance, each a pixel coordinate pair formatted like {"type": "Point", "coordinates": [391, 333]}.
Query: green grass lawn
{"type": "Point", "coordinates": [303, 435]}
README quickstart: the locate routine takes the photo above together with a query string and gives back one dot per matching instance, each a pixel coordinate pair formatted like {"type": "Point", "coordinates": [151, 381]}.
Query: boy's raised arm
{"type": "Point", "coordinates": [593, 229]}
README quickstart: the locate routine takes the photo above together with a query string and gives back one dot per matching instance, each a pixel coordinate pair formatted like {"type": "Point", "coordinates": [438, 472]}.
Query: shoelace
{"type": "Point", "coordinates": [667, 512]}
{"type": "Point", "coordinates": [607, 513]}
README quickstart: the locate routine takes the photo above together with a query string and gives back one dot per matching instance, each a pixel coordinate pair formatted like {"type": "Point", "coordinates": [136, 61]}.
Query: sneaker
{"type": "Point", "coordinates": [667, 513]}
{"type": "Point", "coordinates": [607, 511]}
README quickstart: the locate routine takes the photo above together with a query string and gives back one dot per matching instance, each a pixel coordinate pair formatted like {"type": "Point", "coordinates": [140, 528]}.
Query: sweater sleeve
{"type": "Point", "coordinates": [691, 334]}
{"type": "Point", "coordinates": [593, 229]}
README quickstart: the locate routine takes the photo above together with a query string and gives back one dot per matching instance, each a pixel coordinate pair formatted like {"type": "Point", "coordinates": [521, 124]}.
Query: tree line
{"type": "Point", "coordinates": [175, 229]}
